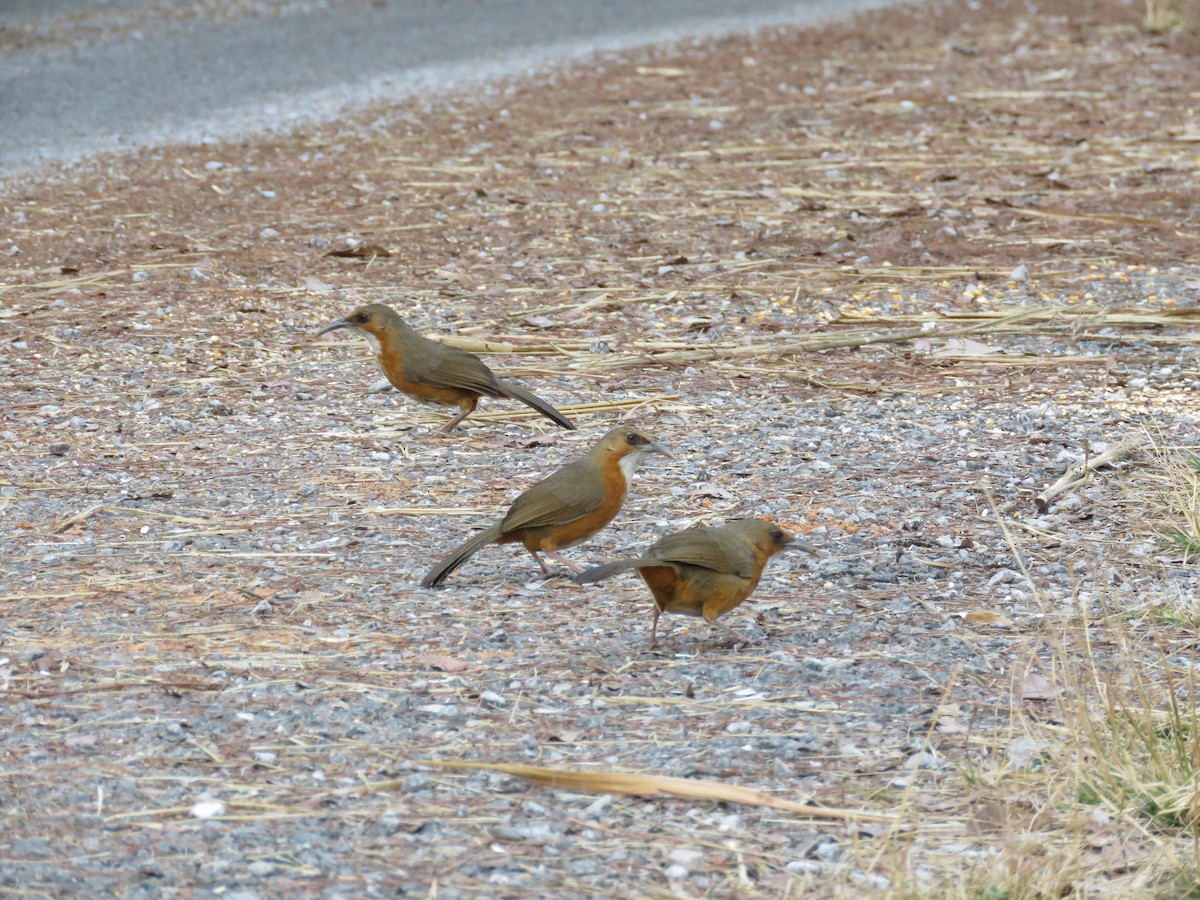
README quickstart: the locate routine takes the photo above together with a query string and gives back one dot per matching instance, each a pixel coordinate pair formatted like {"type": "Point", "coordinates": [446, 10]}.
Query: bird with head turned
{"type": "Point", "coordinates": [704, 570]}
{"type": "Point", "coordinates": [433, 372]}
{"type": "Point", "coordinates": [565, 508]}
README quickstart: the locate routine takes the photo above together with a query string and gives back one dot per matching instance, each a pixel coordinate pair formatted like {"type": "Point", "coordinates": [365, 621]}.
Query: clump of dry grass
{"type": "Point", "coordinates": [1178, 501]}
{"type": "Point", "coordinates": [1134, 721]}
{"type": "Point", "coordinates": [1092, 787]}
{"type": "Point", "coordinates": [1167, 15]}
{"type": "Point", "coordinates": [1162, 499]}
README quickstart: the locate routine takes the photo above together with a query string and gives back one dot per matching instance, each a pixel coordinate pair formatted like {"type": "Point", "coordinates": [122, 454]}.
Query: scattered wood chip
{"type": "Point", "coordinates": [365, 251]}
{"type": "Point", "coordinates": [1036, 687]}
{"type": "Point", "coordinates": [986, 617]}
{"type": "Point", "coordinates": [444, 662]}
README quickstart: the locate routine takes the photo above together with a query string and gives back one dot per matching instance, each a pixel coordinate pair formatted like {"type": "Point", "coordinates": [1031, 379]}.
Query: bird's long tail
{"type": "Point", "coordinates": [602, 571]}
{"type": "Point", "coordinates": [458, 556]}
{"type": "Point", "coordinates": [519, 393]}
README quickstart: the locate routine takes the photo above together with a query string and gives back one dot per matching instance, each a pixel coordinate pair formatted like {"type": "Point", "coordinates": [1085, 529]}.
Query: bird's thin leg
{"type": "Point", "coordinates": [453, 423]}
{"type": "Point", "coordinates": [541, 564]}
{"type": "Point", "coordinates": [654, 627]}
{"type": "Point", "coordinates": [574, 567]}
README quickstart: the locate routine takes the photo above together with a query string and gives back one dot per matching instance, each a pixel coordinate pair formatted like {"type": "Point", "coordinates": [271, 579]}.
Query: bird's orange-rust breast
{"type": "Point", "coordinates": [603, 476]}
{"type": "Point", "coordinates": [614, 490]}
{"type": "Point", "coordinates": [398, 351]}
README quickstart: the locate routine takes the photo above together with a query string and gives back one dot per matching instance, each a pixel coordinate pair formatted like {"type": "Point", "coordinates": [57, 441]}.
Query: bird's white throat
{"type": "Point", "coordinates": [630, 461]}
{"type": "Point", "coordinates": [372, 340]}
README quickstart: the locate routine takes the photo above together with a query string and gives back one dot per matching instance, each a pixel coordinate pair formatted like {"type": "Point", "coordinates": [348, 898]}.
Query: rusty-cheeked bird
{"type": "Point", "coordinates": [433, 372]}
{"type": "Point", "coordinates": [704, 570]}
{"type": "Point", "coordinates": [566, 507]}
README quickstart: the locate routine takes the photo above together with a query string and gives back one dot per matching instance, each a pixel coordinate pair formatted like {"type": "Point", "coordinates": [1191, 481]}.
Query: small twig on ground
{"type": "Point", "coordinates": [1078, 475]}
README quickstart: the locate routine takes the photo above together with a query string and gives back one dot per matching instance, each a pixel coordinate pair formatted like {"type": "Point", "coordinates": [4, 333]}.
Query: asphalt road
{"type": "Point", "coordinates": [258, 73]}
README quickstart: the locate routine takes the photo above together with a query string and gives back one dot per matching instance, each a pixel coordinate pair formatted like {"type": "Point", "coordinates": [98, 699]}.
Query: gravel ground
{"type": "Point", "coordinates": [220, 677]}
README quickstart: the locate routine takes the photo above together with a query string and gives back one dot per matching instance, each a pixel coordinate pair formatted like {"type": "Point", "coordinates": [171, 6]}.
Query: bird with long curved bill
{"type": "Point", "coordinates": [704, 570]}
{"type": "Point", "coordinates": [565, 508]}
{"type": "Point", "coordinates": [435, 373]}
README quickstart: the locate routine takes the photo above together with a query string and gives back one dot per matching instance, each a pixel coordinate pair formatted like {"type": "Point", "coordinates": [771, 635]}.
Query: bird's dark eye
{"type": "Point", "coordinates": [634, 439]}
{"type": "Point", "coordinates": [361, 318]}
{"type": "Point", "coordinates": [777, 536]}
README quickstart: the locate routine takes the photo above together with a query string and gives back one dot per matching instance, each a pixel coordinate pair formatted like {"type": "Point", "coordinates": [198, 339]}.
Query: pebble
{"type": "Point", "coordinates": [418, 781]}
{"type": "Point", "coordinates": [207, 809]}
{"type": "Point", "coordinates": [829, 851]}
{"type": "Point", "coordinates": [924, 760]}
{"type": "Point", "coordinates": [59, 449]}
{"type": "Point", "coordinates": [805, 867]}
{"type": "Point", "coordinates": [1004, 576]}
{"type": "Point", "coordinates": [527, 832]}
{"type": "Point", "coordinates": [872, 880]}
{"type": "Point", "coordinates": [599, 806]}
{"type": "Point", "coordinates": [1024, 753]}
{"type": "Point", "coordinates": [731, 822]}
{"type": "Point", "coordinates": [687, 858]}
{"type": "Point", "coordinates": [445, 710]}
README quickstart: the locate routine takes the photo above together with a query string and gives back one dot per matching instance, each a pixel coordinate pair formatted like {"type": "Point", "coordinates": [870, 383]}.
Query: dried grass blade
{"type": "Point", "coordinates": [118, 686]}
{"type": "Point", "coordinates": [86, 514]}
{"type": "Point", "coordinates": [576, 409]}
{"type": "Point", "coordinates": [428, 510]}
{"type": "Point", "coordinates": [639, 785]}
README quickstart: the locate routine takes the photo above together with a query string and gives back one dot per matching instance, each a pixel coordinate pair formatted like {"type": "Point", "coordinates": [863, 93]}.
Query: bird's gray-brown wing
{"type": "Point", "coordinates": [708, 548]}
{"type": "Point", "coordinates": [573, 491]}
{"type": "Point", "coordinates": [449, 367]}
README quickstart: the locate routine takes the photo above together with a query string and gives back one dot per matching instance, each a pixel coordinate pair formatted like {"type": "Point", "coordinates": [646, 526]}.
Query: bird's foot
{"type": "Point", "coordinates": [562, 561]}
{"type": "Point", "coordinates": [736, 638]}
